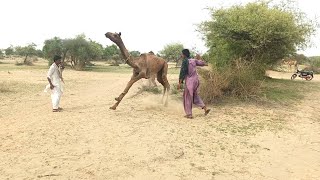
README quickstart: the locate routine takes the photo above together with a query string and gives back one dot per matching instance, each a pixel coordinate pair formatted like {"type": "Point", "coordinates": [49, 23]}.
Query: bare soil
{"type": "Point", "coordinates": [142, 139]}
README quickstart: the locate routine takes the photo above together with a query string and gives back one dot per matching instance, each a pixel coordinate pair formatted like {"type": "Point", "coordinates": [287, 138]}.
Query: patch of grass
{"type": "Point", "coordinates": [174, 70]}
{"type": "Point", "coordinates": [122, 68]}
{"type": "Point", "coordinates": [19, 64]}
{"type": "Point", "coordinates": [114, 69]}
{"type": "Point", "coordinates": [154, 90]}
{"type": "Point", "coordinates": [174, 88]}
{"type": "Point", "coordinates": [280, 90]}
{"type": "Point", "coordinates": [11, 67]}
{"type": "Point", "coordinates": [7, 87]}
{"type": "Point", "coordinates": [252, 126]}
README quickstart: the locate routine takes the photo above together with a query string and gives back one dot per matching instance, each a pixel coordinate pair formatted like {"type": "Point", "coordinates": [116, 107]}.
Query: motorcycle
{"type": "Point", "coordinates": [307, 75]}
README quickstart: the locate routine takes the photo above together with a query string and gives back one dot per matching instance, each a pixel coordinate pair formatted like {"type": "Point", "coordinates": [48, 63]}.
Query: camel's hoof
{"type": "Point", "coordinates": [113, 108]}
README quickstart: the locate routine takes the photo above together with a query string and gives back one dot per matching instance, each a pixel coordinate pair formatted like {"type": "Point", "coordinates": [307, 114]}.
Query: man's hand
{"type": "Point", "coordinates": [179, 86]}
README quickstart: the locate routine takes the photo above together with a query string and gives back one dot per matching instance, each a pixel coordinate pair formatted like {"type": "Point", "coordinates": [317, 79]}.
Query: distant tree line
{"type": "Point", "coordinates": [79, 51]}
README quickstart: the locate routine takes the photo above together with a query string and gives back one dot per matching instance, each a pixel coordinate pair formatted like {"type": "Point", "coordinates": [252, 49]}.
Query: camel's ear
{"type": "Point", "coordinates": [119, 33]}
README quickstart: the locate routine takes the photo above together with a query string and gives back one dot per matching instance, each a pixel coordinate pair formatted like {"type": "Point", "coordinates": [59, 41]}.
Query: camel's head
{"type": "Point", "coordinates": [114, 37]}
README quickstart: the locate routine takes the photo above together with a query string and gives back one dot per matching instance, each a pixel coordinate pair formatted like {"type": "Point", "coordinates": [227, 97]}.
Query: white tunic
{"type": "Point", "coordinates": [55, 77]}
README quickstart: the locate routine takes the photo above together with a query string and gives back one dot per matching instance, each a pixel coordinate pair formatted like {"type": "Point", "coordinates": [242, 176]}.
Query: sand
{"type": "Point", "coordinates": [142, 139]}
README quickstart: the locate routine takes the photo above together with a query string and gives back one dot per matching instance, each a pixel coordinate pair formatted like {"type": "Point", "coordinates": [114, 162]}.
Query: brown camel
{"type": "Point", "coordinates": [152, 79]}
{"type": "Point", "coordinates": [144, 66]}
{"type": "Point", "coordinates": [290, 63]}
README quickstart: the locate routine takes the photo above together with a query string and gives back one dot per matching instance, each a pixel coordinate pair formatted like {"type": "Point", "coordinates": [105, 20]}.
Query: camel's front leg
{"type": "Point", "coordinates": [130, 83]}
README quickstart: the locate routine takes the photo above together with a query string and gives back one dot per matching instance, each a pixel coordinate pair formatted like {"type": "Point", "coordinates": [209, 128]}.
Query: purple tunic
{"type": "Point", "coordinates": [190, 94]}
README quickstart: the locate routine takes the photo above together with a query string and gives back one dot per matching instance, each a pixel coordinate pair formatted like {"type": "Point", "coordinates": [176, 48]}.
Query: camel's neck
{"type": "Point", "coordinates": [126, 55]}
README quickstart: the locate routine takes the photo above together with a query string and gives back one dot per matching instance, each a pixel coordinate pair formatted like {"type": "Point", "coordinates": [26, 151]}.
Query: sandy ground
{"type": "Point", "coordinates": [144, 140]}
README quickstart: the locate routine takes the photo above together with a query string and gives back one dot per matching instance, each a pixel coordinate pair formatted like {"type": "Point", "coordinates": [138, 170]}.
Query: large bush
{"type": "Point", "coordinates": [244, 40]}
{"type": "Point", "coordinates": [256, 32]}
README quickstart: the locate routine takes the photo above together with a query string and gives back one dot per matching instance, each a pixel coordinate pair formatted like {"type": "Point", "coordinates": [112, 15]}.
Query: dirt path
{"type": "Point", "coordinates": [144, 140]}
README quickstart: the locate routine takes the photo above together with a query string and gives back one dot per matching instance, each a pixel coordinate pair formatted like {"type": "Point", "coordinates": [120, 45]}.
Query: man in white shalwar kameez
{"type": "Point", "coordinates": [54, 77]}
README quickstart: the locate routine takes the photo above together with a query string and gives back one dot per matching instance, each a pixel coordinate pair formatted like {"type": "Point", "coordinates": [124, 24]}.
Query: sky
{"type": "Point", "coordinates": [146, 25]}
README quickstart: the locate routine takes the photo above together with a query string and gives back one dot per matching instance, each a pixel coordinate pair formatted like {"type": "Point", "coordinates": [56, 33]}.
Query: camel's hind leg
{"type": "Point", "coordinates": [162, 79]}
{"type": "Point", "coordinates": [152, 81]}
{"type": "Point", "coordinates": [125, 91]}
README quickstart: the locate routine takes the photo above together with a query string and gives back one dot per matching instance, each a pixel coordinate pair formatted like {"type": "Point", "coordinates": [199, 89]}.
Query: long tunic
{"type": "Point", "coordinates": [55, 77]}
{"type": "Point", "coordinates": [190, 94]}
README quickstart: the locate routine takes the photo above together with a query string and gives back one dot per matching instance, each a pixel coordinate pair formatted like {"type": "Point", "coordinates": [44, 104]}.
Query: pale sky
{"type": "Point", "coordinates": [146, 25]}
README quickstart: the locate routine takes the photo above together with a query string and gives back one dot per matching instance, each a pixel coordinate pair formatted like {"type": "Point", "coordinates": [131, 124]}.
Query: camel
{"type": "Point", "coordinates": [144, 66]}
{"type": "Point", "coordinates": [152, 79]}
{"type": "Point", "coordinates": [198, 57]}
{"type": "Point", "coordinates": [290, 63]}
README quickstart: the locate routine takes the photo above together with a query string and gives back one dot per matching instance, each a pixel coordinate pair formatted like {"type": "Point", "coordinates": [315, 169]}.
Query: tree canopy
{"type": "Point", "coordinates": [9, 51]}
{"type": "Point", "coordinates": [171, 52]}
{"type": "Point", "coordinates": [78, 50]}
{"type": "Point", "coordinates": [255, 32]}
{"type": "Point", "coordinates": [26, 51]}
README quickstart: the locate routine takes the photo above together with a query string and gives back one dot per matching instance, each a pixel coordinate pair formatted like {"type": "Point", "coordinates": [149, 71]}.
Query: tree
{"type": "Point", "coordinates": [256, 32]}
{"type": "Point", "coordinates": [171, 52]}
{"type": "Point", "coordinates": [135, 53]}
{"type": "Point", "coordinates": [81, 51]}
{"type": "Point", "coordinates": [95, 50]}
{"type": "Point", "coordinates": [243, 40]}
{"type": "Point", "coordinates": [9, 51]}
{"type": "Point", "coordinates": [110, 51]}
{"type": "Point", "coordinates": [78, 50]}
{"type": "Point", "coordinates": [1, 54]}
{"type": "Point", "coordinates": [301, 58]}
{"type": "Point", "coordinates": [315, 61]}
{"type": "Point", "coordinates": [26, 51]}
{"type": "Point", "coordinates": [39, 53]}
{"type": "Point", "coordinates": [52, 47]}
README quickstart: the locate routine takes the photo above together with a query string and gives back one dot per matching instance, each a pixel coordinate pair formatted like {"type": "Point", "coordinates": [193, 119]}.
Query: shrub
{"type": "Point", "coordinates": [241, 79]}
{"type": "Point", "coordinates": [213, 84]}
{"type": "Point", "coordinates": [245, 78]}
{"type": "Point", "coordinates": [316, 70]}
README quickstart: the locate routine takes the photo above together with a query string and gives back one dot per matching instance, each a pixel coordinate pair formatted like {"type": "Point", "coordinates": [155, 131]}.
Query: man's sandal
{"type": "Point", "coordinates": [188, 116]}
{"type": "Point", "coordinates": [207, 112]}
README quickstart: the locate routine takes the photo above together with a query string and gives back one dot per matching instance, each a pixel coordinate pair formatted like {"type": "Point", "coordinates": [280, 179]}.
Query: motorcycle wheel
{"type": "Point", "coordinates": [293, 76]}
{"type": "Point", "coordinates": [308, 78]}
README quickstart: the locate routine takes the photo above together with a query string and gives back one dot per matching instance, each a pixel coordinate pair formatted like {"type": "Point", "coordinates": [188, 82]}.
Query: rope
{"type": "Point", "coordinates": [126, 60]}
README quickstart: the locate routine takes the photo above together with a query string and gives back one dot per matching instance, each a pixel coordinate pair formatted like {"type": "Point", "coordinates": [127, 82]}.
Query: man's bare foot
{"type": "Point", "coordinates": [55, 110]}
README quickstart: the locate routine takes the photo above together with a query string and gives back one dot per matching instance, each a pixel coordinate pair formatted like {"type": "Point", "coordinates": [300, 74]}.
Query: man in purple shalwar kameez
{"type": "Point", "coordinates": [188, 73]}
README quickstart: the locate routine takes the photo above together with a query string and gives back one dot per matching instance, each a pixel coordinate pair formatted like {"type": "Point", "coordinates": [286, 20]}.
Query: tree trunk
{"type": "Point", "coordinates": [64, 56]}
{"type": "Point", "coordinates": [72, 62]}
{"type": "Point", "coordinates": [25, 59]}
{"type": "Point", "coordinates": [79, 65]}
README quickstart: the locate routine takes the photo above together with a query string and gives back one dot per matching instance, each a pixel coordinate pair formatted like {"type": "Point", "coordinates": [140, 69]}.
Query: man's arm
{"type": "Point", "coordinates": [51, 85]}
{"type": "Point", "coordinates": [183, 72]}
{"type": "Point", "coordinates": [49, 75]}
